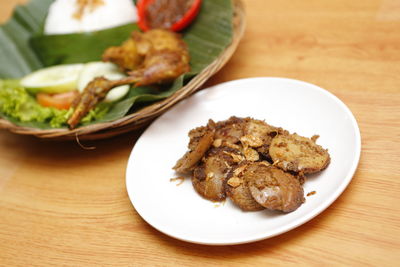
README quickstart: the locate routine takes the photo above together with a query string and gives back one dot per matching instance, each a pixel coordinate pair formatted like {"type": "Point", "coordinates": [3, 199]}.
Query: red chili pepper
{"type": "Point", "coordinates": [187, 18]}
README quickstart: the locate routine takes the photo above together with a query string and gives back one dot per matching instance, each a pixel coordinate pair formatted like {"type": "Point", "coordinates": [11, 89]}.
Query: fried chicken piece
{"type": "Point", "coordinates": [292, 152]}
{"type": "Point", "coordinates": [201, 139]}
{"type": "Point", "coordinates": [273, 188]}
{"type": "Point", "coordinates": [209, 177]}
{"type": "Point", "coordinates": [94, 92]}
{"type": "Point", "coordinates": [154, 57]}
{"type": "Point", "coordinates": [125, 56]}
{"type": "Point", "coordinates": [165, 57]}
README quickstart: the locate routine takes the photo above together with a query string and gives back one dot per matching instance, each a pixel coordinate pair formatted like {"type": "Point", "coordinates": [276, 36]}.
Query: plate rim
{"type": "Point", "coordinates": [296, 222]}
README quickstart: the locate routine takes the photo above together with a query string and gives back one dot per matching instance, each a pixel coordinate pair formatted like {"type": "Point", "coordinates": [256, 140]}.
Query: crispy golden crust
{"type": "Point", "coordinates": [94, 92]}
{"type": "Point", "coordinates": [125, 56]}
{"type": "Point", "coordinates": [292, 152]}
{"type": "Point", "coordinates": [166, 56]}
{"type": "Point", "coordinates": [155, 57]}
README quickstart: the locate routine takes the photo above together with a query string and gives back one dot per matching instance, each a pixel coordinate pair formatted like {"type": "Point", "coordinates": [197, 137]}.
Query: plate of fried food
{"type": "Point", "coordinates": [243, 161]}
{"type": "Point", "coordinates": [94, 69]}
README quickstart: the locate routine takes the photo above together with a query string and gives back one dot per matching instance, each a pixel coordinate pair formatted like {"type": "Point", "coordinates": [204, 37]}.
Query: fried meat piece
{"type": "Point", "coordinates": [260, 135]}
{"type": "Point", "coordinates": [209, 177]}
{"type": "Point", "coordinates": [125, 56]}
{"type": "Point", "coordinates": [258, 166]}
{"type": "Point", "coordinates": [201, 139]}
{"type": "Point", "coordinates": [246, 132]}
{"type": "Point", "coordinates": [230, 131]}
{"type": "Point", "coordinates": [273, 188]}
{"type": "Point", "coordinates": [260, 130]}
{"type": "Point", "coordinates": [292, 152]}
{"type": "Point", "coordinates": [238, 191]}
{"type": "Point", "coordinates": [83, 103]}
{"type": "Point", "coordinates": [164, 57]}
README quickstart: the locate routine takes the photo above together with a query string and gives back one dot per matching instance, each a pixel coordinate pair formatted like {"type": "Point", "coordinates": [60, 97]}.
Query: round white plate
{"type": "Point", "coordinates": [180, 212]}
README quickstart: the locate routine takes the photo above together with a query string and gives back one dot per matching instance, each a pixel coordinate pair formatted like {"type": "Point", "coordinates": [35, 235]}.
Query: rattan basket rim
{"type": "Point", "coordinates": [145, 115]}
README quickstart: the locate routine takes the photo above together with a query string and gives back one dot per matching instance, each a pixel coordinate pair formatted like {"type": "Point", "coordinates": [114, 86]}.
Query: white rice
{"type": "Point", "coordinates": [61, 20]}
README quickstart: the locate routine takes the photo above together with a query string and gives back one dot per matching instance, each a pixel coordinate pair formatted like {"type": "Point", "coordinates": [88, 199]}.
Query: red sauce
{"type": "Point", "coordinates": [165, 13]}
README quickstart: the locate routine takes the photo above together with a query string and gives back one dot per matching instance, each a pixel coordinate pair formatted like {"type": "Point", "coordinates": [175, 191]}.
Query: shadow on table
{"type": "Point", "coordinates": [68, 151]}
{"type": "Point", "coordinates": [274, 245]}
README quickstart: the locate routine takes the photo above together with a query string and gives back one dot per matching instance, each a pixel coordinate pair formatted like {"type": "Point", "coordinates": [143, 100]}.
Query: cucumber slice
{"type": "Point", "coordinates": [108, 70]}
{"type": "Point", "coordinates": [55, 79]}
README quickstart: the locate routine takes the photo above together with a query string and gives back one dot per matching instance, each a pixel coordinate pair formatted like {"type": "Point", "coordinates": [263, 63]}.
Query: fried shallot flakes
{"type": "Point", "coordinates": [256, 165]}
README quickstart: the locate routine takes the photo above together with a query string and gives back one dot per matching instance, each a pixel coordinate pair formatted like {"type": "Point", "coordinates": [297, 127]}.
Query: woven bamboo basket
{"type": "Point", "coordinates": [145, 115]}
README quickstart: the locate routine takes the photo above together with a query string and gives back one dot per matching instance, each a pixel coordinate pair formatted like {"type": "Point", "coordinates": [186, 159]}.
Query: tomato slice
{"type": "Point", "coordinates": [59, 101]}
{"type": "Point", "coordinates": [186, 19]}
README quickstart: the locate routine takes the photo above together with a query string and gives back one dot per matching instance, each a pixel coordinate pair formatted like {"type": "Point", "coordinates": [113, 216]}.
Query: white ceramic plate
{"type": "Point", "coordinates": [180, 212]}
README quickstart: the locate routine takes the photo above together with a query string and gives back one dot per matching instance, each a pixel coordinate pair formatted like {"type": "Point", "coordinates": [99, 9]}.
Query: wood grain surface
{"type": "Point", "coordinates": [61, 205]}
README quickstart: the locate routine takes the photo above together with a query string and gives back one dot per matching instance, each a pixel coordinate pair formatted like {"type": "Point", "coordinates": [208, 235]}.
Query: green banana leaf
{"type": "Point", "coordinates": [78, 48]}
{"type": "Point", "coordinates": [24, 49]}
{"type": "Point", "coordinates": [16, 55]}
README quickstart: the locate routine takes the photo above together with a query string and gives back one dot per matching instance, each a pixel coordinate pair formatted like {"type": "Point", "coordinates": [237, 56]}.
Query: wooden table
{"type": "Point", "coordinates": [65, 206]}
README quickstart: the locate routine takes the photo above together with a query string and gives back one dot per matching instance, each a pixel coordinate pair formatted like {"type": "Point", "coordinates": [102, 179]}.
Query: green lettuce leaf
{"type": "Point", "coordinates": [21, 108]}
{"type": "Point", "coordinates": [15, 102]}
